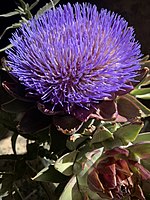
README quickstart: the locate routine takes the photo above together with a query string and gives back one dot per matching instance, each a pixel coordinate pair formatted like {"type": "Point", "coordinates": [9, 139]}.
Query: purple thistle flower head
{"type": "Point", "coordinates": [75, 55]}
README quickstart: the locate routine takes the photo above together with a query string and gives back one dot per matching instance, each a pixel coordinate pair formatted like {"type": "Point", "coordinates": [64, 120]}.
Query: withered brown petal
{"type": "Point", "coordinates": [94, 182]}
{"type": "Point", "coordinates": [107, 176]}
{"type": "Point", "coordinates": [122, 169]}
{"type": "Point", "coordinates": [117, 151]}
{"type": "Point", "coordinates": [108, 109]}
{"type": "Point", "coordinates": [143, 171]}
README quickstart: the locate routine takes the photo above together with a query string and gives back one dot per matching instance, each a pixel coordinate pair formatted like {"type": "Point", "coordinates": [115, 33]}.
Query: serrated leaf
{"type": "Point", "coordinates": [128, 133]}
{"type": "Point", "coordinates": [46, 7]}
{"type": "Point", "coordinates": [141, 150]}
{"type": "Point", "coordinates": [101, 134]}
{"type": "Point", "coordinates": [65, 163]}
{"type": "Point", "coordinates": [142, 137]}
{"type": "Point", "coordinates": [50, 174]}
{"type": "Point", "coordinates": [71, 191]}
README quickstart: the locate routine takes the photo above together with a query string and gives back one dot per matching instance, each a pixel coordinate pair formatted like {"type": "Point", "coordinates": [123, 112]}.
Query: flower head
{"type": "Point", "coordinates": [75, 55]}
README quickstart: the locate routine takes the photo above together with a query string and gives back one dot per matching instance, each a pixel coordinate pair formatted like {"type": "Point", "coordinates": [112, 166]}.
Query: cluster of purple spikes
{"type": "Point", "coordinates": [74, 55]}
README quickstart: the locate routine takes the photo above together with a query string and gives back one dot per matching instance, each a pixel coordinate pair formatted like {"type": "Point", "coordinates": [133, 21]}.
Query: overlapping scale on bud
{"type": "Point", "coordinates": [116, 176]}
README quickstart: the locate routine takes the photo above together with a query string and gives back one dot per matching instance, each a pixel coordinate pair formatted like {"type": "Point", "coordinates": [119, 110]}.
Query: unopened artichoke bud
{"type": "Point", "coordinates": [116, 176]}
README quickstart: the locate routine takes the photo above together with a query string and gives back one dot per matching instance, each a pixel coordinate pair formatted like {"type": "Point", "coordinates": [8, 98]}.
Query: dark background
{"type": "Point", "coordinates": [136, 12]}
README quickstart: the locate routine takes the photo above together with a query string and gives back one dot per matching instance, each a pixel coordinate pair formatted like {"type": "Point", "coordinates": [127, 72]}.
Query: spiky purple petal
{"type": "Point", "coordinates": [74, 55]}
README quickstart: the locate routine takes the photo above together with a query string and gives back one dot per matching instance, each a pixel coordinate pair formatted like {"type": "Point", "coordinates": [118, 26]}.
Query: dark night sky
{"type": "Point", "coordinates": [136, 12]}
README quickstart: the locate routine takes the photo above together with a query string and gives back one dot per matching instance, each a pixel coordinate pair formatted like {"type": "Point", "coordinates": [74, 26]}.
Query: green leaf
{"type": "Point", "coordinates": [23, 4]}
{"type": "Point", "coordinates": [142, 137]}
{"type": "Point", "coordinates": [145, 82]}
{"type": "Point", "coordinates": [88, 127]}
{"type": "Point", "coordinates": [127, 108]}
{"type": "Point", "coordinates": [10, 14]}
{"type": "Point", "coordinates": [141, 150]}
{"type": "Point", "coordinates": [142, 91]}
{"type": "Point", "coordinates": [146, 163]}
{"type": "Point", "coordinates": [112, 127]}
{"type": "Point", "coordinates": [128, 133]}
{"type": "Point", "coordinates": [145, 63]}
{"type": "Point", "coordinates": [71, 191]}
{"type": "Point", "coordinates": [50, 174]}
{"type": "Point", "coordinates": [34, 4]}
{"type": "Point", "coordinates": [7, 47]}
{"type": "Point", "coordinates": [145, 96]}
{"type": "Point", "coordinates": [145, 58]}
{"type": "Point", "coordinates": [75, 141]}
{"type": "Point", "coordinates": [101, 134]}
{"type": "Point", "coordinates": [15, 25]}
{"type": "Point", "coordinates": [86, 159]}
{"type": "Point", "coordinates": [145, 112]}
{"type": "Point", "coordinates": [65, 163]}
{"type": "Point", "coordinates": [47, 7]}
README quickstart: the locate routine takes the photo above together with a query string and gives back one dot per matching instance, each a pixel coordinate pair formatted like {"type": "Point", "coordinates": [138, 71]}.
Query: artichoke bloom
{"type": "Point", "coordinates": [117, 177]}
{"type": "Point", "coordinates": [73, 58]}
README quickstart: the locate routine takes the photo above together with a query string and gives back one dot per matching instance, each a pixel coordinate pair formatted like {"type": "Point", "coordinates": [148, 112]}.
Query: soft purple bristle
{"type": "Point", "coordinates": [75, 55]}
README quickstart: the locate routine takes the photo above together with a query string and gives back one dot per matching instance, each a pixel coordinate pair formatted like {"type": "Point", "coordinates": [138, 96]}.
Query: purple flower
{"type": "Point", "coordinates": [75, 56]}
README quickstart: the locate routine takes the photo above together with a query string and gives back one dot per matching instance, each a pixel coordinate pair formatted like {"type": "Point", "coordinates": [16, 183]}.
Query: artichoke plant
{"type": "Point", "coordinates": [71, 80]}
